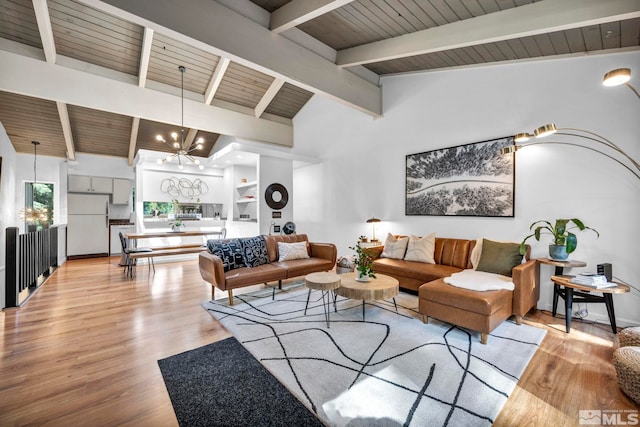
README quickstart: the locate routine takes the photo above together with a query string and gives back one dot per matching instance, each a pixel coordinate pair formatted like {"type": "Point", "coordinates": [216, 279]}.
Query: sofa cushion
{"type": "Point", "coordinates": [498, 257]}
{"type": "Point", "coordinates": [394, 247]}
{"type": "Point", "coordinates": [302, 267]}
{"type": "Point", "coordinates": [411, 269]}
{"type": "Point", "coordinates": [421, 249]}
{"type": "Point", "coordinates": [229, 251]}
{"type": "Point", "coordinates": [291, 251]}
{"type": "Point", "coordinates": [485, 303]}
{"type": "Point", "coordinates": [246, 276]}
{"type": "Point", "coordinates": [254, 251]}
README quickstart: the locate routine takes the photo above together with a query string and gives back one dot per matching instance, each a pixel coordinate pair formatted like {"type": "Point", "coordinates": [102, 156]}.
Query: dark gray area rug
{"type": "Point", "coordinates": [222, 384]}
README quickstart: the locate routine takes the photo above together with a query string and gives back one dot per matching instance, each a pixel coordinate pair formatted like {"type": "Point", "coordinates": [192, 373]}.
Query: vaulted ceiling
{"type": "Point", "coordinates": [101, 77]}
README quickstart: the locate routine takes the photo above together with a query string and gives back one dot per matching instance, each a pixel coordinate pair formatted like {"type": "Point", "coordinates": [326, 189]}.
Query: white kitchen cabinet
{"type": "Point", "coordinates": [89, 184]}
{"type": "Point", "coordinates": [121, 191]}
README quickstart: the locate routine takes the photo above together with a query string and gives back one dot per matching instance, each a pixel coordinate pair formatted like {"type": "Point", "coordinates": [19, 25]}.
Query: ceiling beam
{"type": "Point", "coordinates": [213, 146]}
{"type": "Point", "coordinates": [145, 55]}
{"type": "Point", "coordinates": [216, 79]}
{"type": "Point", "coordinates": [132, 140]}
{"type": "Point", "coordinates": [268, 97]}
{"type": "Point", "coordinates": [32, 77]}
{"type": "Point", "coordinates": [44, 27]}
{"type": "Point", "coordinates": [532, 19]}
{"type": "Point", "coordinates": [298, 12]}
{"type": "Point", "coordinates": [210, 26]}
{"type": "Point", "coordinates": [63, 112]}
{"type": "Point", "coordinates": [191, 135]}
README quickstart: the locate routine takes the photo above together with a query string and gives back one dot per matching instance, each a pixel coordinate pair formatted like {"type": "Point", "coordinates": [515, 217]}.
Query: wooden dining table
{"type": "Point", "coordinates": [179, 249]}
{"type": "Point", "coordinates": [160, 234]}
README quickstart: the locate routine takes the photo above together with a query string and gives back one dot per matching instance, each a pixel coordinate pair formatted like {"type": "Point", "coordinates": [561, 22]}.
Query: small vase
{"type": "Point", "coordinates": [558, 252]}
{"type": "Point", "coordinates": [362, 277]}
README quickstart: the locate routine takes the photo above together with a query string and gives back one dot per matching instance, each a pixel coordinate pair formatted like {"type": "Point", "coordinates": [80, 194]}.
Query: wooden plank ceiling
{"type": "Point", "coordinates": [84, 34]}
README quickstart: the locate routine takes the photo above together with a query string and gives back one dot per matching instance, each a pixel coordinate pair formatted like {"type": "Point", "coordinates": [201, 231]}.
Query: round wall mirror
{"type": "Point", "coordinates": [276, 196]}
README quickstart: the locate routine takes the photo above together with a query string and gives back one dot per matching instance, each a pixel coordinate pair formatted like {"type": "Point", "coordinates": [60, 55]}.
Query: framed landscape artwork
{"type": "Point", "coordinates": [467, 180]}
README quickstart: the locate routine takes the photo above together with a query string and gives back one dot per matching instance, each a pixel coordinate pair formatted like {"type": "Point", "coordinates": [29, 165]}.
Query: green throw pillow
{"type": "Point", "coordinates": [499, 258]}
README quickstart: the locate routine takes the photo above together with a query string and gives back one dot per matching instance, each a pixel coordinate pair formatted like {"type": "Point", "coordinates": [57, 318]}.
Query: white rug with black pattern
{"type": "Point", "coordinates": [388, 370]}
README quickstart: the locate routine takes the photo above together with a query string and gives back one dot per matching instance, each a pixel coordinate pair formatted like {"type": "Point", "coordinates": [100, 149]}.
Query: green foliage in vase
{"type": "Point", "coordinates": [560, 232]}
{"type": "Point", "coordinates": [363, 261]}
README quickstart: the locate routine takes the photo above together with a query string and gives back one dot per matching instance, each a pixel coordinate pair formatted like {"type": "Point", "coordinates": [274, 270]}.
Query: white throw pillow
{"type": "Point", "coordinates": [394, 248]}
{"type": "Point", "coordinates": [289, 251]}
{"type": "Point", "coordinates": [421, 249]}
{"type": "Point", "coordinates": [476, 253]}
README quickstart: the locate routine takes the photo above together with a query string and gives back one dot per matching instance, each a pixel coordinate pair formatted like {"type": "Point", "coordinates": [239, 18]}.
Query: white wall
{"type": "Point", "coordinates": [363, 168]}
{"type": "Point", "coordinates": [273, 170]}
{"type": "Point", "coordinates": [153, 187]}
{"type": "Point", "coordinates": [8, 217]}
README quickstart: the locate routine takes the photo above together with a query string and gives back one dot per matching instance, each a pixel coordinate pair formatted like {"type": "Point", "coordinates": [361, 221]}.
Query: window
{"type": "Point", "coordinates": [38, 204]}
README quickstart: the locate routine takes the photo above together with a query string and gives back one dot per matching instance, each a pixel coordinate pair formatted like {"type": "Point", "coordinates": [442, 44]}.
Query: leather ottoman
{"type": "Point", "coordinates": [475, 310]}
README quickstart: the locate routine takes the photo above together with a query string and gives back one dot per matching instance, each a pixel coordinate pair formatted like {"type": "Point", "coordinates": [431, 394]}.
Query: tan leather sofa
{"type": "Point", "coordinates": [478, 311]}
{"type": "Point", "coordinates": [322, 257]}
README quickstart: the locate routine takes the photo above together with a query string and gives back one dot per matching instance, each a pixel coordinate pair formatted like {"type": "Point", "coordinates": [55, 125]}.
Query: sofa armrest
{"type": "Point", "coordinates": [526, 279]}
{"type": "Point", "coordinates": [326, 251]}
{"type": "Point", "coordinates": [212, 270]}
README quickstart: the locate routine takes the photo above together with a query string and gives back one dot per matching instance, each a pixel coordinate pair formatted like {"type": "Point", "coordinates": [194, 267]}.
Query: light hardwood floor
{"type": "Point", "coordinates": [84, 351]}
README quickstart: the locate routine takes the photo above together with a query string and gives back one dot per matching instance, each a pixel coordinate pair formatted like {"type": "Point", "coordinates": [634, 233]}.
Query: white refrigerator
{"type": "Point", "coordinates": [88, 224]}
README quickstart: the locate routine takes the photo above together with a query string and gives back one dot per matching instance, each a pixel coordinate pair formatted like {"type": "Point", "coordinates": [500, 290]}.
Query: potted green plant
{"type": "Point", "coordinates": [564, 241]}
{"type": "Point", "coordinates": [363, 262]}
{"type": "Point", "coordinates": [176, 225]}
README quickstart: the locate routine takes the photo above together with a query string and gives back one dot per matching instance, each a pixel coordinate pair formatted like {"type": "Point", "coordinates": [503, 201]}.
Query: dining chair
{"type": "Point", "coordinates": [129, 262]}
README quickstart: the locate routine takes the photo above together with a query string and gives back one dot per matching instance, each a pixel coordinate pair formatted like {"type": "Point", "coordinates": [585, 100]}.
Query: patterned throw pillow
{"type": "Point", "coordinates": [230, 251]}
{"type": "Point", "coordinates": [254, 251]}
{"type": "Point", "coordinates": [289, 251]}
{"type": "Point", "coordinates": [421, 249]}
{"type": "Point", "coordinates": [394, 248]}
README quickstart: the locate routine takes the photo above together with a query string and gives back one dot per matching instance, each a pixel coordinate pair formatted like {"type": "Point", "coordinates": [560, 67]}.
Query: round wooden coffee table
{"type": "Point", "coordinates": [325, 282]}
{"type": "Point", "coordinates": [380, 288]}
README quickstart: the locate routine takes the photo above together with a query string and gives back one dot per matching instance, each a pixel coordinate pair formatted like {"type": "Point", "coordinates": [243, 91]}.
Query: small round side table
{"type": "Point", "coordinates": [325, 282]}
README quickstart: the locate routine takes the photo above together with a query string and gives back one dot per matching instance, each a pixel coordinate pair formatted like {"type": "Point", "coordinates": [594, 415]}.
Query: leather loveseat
{"type": "Point", "coordinates": [475, 310]}
{"type": "Point", "coordinates": [322, 257]}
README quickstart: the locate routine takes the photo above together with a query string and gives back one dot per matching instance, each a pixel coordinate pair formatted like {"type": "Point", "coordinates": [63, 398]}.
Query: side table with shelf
{"type": "Point", "coordinates": [571, 292]}
{"type": "Point", "coordinates": [559, 271]}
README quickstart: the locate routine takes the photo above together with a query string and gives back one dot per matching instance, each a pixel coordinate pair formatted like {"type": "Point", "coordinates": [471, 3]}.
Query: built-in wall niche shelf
{"type": "Point", "coordinates": [245, 202]}
{"type": "Point", "coordinates": [246, 185]}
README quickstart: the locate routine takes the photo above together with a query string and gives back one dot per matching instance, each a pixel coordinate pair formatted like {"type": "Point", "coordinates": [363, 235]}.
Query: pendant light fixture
{"type": "Point", "coordinates": [182, 150]}
{"type": "Point", "coordinates": [32, 214]}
